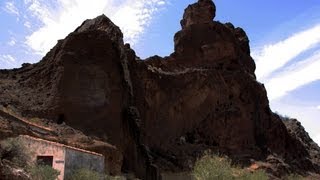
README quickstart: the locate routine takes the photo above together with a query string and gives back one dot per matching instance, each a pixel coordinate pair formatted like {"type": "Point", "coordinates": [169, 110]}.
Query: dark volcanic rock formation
{"type": "Point", "coordinates": [199, 13]}
{"type": "Point", "coordinates": [296, 130]}
{"type": "Point", "coordinates": [162, 113]}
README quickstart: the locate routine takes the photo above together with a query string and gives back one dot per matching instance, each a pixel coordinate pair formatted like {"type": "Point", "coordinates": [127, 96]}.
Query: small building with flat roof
{"type": "Point", "coordinates": [65, 159]}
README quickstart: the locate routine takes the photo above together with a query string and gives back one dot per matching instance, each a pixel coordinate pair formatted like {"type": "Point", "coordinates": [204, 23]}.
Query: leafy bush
{"type": "Point", "coordinates": [219, 168]}
{"type": "Point", "coordinates": [213, 167]}
{"type": "Point", "coordinates": [43, 172]}
{"type": "Point", "coordinates": [13, 149]}
{"type": "Point", "coordinates": [85, 174]}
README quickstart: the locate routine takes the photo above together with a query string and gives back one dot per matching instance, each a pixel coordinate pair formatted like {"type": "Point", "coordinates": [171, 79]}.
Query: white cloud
{"type": "Point", "coordinates": [293, 77]}
{"type": "Point", "coordinates": [132, 16]}
{"type": "Point", "coordinates": [27, 24]}
{"type": "Point", "coordinates": [7, 61]}
{"type": "Point", "coordinates": [161, 2]}
{"type": "Point", "coordinates": [274, 56]}
{"type": "Point", "coordinates": [318, 107]}
{"type": "Point", "coordinates": [7, 58]}
{"type": "Point", "coordinates": [12, 42]}
{"type": "Point", "coordinates": [11, 8]}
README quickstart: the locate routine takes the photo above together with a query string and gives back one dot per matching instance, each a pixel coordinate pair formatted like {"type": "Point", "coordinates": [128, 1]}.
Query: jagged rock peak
{"type": "Point", "coordinates": [102, 23]}
{"type": "Point", "coordinates": [200, 12]}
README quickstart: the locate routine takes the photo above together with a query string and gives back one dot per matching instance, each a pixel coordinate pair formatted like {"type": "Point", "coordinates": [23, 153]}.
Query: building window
{"type": "Point", "coordinates": [45, 160]}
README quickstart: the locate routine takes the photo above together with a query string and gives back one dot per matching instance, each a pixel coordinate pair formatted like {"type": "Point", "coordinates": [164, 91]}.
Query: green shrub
{"type": "Point", "coordinates": [85, 174]}
{"type": "Point", "coordinates": [43, 172]}
{"type": "Point", "coordinates": [219, 168]}
{"type": "Point", "coordinates": [13, 149]}
{"type": "Point", "coordinates": [213, 167]}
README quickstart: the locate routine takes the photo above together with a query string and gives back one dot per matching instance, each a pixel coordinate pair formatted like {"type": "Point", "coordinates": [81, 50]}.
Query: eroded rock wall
{"type": "Point", "coordinates": [162, 113]}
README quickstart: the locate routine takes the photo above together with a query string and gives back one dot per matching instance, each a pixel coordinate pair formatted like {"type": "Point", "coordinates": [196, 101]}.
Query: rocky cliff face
{"type": "Point", "coordinates": [161, 113]}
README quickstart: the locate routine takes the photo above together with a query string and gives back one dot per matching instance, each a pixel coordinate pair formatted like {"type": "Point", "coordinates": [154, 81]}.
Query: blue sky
{"type": "Point", "coordinates": [284, 38]}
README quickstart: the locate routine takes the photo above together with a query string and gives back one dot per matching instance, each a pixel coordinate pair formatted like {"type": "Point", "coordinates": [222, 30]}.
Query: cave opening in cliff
{"type": "Point", "coordinates": [61, 119]}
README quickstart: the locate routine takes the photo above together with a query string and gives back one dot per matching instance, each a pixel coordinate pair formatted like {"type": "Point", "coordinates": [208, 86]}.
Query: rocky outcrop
{"type": "Point", "coordinates": [297, 131]}
{"type": "Point", "coordinates": [84, 82]}
{"type": "Point", "coordinates": [161, 113]}
{"type": "Point", "coordinates": [204, 42]}
{"type": "Point", "coordinates": [199, 13]}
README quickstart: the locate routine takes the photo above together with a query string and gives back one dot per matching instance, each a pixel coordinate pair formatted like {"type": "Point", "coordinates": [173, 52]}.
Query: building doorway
{"type": "Point", "coordinates": [45, 160]}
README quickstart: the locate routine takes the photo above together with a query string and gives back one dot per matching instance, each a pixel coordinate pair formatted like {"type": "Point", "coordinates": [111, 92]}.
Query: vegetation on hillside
{"type": "Point", "coordinates": [215, 167]}
{"type": "Point", "coordinates": [43, 172]}
{"type": "Point", "coordinates": [209, 167]}
{"type": "Point", "coordinates": [84, 174]}
{"type": "Point", "coordinates": [14, 152]}
{"type": "Point", "coordinates": [87, 174]}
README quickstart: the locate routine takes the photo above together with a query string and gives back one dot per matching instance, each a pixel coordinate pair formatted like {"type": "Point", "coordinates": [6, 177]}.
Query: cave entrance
{"type": "Point", "coordinates": [61, 119]}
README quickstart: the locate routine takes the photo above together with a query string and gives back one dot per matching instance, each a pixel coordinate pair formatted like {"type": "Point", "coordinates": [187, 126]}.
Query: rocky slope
{"type": "Point", "coordinates": [162, 112]}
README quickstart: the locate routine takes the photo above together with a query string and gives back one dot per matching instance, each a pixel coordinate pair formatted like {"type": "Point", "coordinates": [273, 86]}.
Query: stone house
{"type": "Point", "coordinates": [61, 157]}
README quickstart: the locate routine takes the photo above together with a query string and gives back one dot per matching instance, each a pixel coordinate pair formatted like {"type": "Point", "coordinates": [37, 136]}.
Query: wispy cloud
{"type": "Point", "coordinates": [287, 65]}
{"type": "Point", "coordinates": [12, 41]}
{"type": "Point", "coordinates": [318, 107]}
{"type": "Point", "coordinates": [274, 56]}
{"type": "Point", "coordinates": [7, 61]}
{"type": "Point", "coordinates": [132, 16]}
{"type": "Point", "coordinates": [293, 77]}
{"type": "Point", "coordinates": [27, 24]}
{"type": "Point", "coordinates": [7, 58]}
{"type": "Point", "coordinates": [11, 8]}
